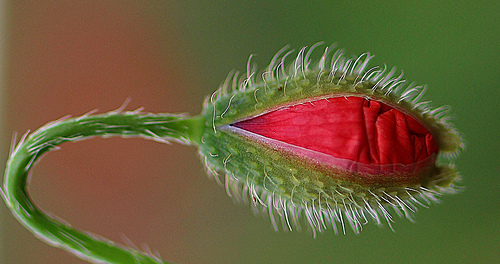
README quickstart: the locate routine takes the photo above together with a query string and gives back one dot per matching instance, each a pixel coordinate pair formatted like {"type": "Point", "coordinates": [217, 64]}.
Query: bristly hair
{"type": "Point", "coordinates": [335, 69]}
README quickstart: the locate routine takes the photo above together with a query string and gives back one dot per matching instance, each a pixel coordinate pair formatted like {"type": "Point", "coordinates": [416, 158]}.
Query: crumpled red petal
{"type": "Point", "coordinates": [353, 128]}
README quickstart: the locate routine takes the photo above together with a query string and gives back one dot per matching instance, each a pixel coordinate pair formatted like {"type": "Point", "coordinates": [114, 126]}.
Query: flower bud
{"type": "Point", "coordinates": [331, 142]}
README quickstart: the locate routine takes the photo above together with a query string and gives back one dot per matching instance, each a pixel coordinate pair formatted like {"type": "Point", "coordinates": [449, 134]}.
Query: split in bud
{"type": "Point", "coordinates": [332, 142]}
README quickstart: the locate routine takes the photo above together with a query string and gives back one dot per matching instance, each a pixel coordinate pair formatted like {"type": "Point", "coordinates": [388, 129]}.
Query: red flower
{"type": "Point", "coordinates": [329, 141]}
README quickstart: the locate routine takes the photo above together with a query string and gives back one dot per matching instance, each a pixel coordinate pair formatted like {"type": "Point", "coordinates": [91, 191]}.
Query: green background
{"type": "Point", "coordinates": [450, 45]}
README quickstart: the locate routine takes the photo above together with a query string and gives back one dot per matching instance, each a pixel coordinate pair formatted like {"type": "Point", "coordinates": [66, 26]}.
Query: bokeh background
{"type": "Point", "coordinates": [70, 57]}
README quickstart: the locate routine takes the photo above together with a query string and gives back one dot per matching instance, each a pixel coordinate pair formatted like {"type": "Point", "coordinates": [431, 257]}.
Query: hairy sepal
{"type": "Point", "coordinates": [265, 171]}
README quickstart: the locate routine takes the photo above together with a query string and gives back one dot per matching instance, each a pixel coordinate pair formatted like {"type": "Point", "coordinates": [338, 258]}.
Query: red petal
{"type": "Point", "coordinates": [351, 128]}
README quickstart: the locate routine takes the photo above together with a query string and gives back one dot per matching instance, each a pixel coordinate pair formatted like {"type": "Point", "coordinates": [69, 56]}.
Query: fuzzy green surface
{"type": "Point", "coordinates": [293, 177]}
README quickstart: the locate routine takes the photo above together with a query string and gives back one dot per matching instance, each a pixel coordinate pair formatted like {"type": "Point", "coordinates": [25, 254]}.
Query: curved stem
{"type": "Point", "coordinates": [159, 127]}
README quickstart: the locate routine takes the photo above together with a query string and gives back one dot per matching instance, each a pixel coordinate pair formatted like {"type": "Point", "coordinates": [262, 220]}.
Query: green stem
{"type": "Point", "coordinates": [159, 127]}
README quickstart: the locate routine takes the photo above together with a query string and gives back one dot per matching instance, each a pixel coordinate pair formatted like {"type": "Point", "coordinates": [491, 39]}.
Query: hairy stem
{"type": "Point", "coordinates": [159, 127]}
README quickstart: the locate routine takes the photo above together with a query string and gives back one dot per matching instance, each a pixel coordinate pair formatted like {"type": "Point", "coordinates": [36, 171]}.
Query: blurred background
{"type": "Point", "coordinates": [70, 57]}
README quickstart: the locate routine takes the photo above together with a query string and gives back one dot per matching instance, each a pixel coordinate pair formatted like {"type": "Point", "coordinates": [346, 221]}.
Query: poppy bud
{"type": "Point", "coordinates": [329, 142]}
